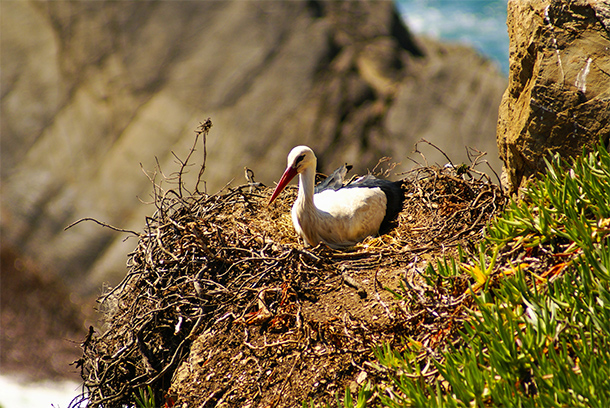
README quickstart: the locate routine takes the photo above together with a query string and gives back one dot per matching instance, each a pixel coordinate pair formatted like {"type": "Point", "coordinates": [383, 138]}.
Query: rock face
{"type": "Point", "coordinates": [99, 89]}
{"type": "Point", "coordinates": [558, 96]}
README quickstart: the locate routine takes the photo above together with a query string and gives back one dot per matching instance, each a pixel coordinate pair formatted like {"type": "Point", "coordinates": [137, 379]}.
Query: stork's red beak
{"type": "Point", "coordinates": [286, 177]}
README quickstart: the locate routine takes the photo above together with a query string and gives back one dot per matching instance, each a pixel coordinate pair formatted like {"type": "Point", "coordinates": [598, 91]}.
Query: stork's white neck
{"type": "Point", "coordinates": [306, 217]}
{"type": "Point", "coordinates": [307, 188]}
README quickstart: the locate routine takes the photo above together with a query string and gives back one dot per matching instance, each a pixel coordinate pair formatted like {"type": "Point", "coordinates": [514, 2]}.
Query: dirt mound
{"type": "Point", "coordinates": [223, 304]}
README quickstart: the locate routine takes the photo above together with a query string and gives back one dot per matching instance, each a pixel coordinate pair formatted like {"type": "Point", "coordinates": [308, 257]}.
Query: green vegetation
{"type": "Point", "coordinates": [348, 400]}
{"type": "Point", "coordinates": [146, 398]}
{"type": "Point", "coordinates": [538, 331]}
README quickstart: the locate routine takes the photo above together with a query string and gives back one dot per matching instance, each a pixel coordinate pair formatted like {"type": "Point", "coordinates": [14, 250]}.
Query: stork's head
{"type": "Point", "coordinates": [299, 159]}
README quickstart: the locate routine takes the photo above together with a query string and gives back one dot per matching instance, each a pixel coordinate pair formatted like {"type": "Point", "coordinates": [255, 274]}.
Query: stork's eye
{"type": "Point", "coordinates": [299, 159]}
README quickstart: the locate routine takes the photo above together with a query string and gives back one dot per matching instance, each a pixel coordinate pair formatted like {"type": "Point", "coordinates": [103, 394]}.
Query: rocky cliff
{"type": "Point", "coordinates": [99, 88]}
{"type": "Point", "coordinates": [558, 96]}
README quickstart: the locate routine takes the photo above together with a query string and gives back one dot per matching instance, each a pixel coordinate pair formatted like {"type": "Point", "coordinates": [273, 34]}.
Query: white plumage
{"type": "Point", "coordinates": [338, 215]}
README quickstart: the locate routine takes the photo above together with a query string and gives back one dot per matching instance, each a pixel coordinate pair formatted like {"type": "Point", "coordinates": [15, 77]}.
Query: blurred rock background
{"type": "Point", "coordinates": [94, 92]}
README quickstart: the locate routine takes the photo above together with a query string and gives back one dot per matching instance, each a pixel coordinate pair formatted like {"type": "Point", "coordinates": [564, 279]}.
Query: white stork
{"type": "Point", "coordinates": [336, 214]}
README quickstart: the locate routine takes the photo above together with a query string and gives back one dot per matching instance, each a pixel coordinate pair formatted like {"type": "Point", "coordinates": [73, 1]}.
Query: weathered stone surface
{"type": "Point", "coordinates": [98, 88]}
{"type": "Point", "coordinates": [558, 96]}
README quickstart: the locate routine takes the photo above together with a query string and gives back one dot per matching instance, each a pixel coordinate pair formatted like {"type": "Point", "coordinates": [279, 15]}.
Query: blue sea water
{"type": "Point", "coordinates": [479, 23]}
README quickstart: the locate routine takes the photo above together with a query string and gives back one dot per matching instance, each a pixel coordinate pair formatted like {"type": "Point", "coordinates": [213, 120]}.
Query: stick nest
{"type": "Point", "coordinates": [222, 303]}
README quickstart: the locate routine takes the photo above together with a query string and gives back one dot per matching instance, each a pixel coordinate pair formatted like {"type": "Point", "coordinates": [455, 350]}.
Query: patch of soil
{"type": "Point", "coordinates": [41, 326]}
